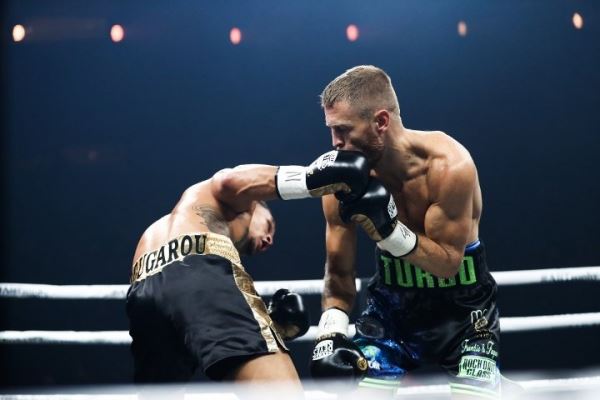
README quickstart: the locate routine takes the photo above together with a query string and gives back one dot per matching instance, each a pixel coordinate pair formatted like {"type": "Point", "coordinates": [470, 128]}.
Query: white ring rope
{"type": "Point", "coordinates": [546, 275]}
{"type": "Point", "coordinates": [198, 392]}
{"type": "Point", "coordinates": [65, 337]}
{"type": "Point", "coordinates": [267, 288]}
{"type": "Point", "coordinates": [315, 286]}
{"type": "Point", "coordinates": [537, 386]}
{"type": "Point", "coordinates": [508, 324]}
{"type": "Point", "coordinates": [118, 292]}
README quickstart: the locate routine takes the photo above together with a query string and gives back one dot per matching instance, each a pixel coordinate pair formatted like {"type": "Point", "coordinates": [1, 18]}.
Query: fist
{"type": "Point", "coordinates": [338, 171]}
{"type": "Point", "coordinates": [288, 313]}
{"type": "Point", "coordinates": [375, 211]}
{"type": "Point", "coordinates": [336, 356]}
{"type": "Point", "coordinates": [335, 171]}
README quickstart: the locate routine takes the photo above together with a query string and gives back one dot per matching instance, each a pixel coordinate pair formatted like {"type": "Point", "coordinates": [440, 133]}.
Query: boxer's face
{"type": "Point", "coordinates": [350, 131]}
{"type": "Point", "coordinates": [260, 232]}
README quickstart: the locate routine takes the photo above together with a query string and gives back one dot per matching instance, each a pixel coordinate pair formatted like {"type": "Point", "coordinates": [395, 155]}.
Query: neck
{"type": "Point", "coordinates": [403, 157]}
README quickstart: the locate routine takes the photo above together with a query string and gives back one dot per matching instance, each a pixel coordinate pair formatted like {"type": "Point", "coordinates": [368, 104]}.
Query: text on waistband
{"type": "Point", "coordinates": [399, 272]}
{"type": "Point", "coordinates": [169, 252]}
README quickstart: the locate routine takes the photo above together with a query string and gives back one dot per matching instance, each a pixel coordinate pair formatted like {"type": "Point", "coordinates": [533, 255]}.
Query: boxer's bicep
{"type": "Point", "coordinates": [450, 233]}
{"type": "Point", "coordinates": [449, 221]}
{"type": "Point", "coordinates": [340, 244]}
{"type": "Point", "coordinates": [238, 187]}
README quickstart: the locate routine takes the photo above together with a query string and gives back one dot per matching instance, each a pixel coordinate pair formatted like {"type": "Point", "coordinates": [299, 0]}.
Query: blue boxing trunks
{"type": "Point", "coordinates": [414, 318]}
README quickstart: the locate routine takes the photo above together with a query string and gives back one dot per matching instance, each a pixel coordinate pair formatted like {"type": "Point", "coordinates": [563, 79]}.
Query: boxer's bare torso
{"type": "Point", "coordinates": [436, 164]}
{"type": "Point", "coordinates": [434, 183]}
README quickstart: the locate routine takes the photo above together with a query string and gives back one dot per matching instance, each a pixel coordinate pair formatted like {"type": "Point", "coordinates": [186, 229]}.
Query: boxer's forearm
{"type": "Point", "coordinates": [339, 290]}
{"type": "Point", "coordinates": [340, 244]}
{"type": "Point", "coordinates": [439, 260]}
{"type": "Point", "coordinates": [334, 171]}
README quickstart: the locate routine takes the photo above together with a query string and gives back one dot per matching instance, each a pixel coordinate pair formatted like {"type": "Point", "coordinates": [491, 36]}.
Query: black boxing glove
{"type": "Point", "coordinates": [334, 171]}
{"type": "Point", "coordinates": [288, 313]}
{"type": "Point", "coordinates": [376, 212]}
{"type": "Point", "coordinates": [334, 355]}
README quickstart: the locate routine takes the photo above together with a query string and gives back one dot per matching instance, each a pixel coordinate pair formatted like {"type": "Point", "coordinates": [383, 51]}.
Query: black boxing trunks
{"type": "Point", "coordinates": [192, 305]}
{"type": "Point", "coordinates": [413, 318]}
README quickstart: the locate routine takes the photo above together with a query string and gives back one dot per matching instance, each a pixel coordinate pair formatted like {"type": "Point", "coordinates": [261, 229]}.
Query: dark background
{"type": "Point", "coordinates": [99, 140]}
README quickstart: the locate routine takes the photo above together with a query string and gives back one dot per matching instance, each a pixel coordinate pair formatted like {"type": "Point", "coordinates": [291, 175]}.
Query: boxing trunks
{"type": "Point", "coordinates": [192, 305]}
{"type": "Point", "coordinates": [413, 317]}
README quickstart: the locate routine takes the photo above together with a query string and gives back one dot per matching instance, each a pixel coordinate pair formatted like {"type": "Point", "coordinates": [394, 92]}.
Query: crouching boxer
{"type": "Point", "coordinates": [191, 303]}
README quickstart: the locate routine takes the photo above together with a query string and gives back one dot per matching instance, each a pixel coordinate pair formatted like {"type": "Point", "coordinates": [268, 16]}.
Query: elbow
{"type": "Point", "coordinates": [226, 183]}
{"type": "Point", "coordinates": [450, 269]}
{"type": "Point", "coordinates": [448, 273]}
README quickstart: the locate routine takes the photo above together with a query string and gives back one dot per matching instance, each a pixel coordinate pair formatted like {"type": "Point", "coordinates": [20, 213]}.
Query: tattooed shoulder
{"type": "Point", "coordinates": [213, 221]}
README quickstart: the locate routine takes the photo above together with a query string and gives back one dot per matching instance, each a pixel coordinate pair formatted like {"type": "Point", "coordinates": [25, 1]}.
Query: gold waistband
{"type": "Point", "coordinates": [176, 249]}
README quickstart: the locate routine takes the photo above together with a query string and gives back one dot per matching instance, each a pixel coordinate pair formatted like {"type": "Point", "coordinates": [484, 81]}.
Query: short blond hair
{"type": "Point", "coordinates": [365, 87]}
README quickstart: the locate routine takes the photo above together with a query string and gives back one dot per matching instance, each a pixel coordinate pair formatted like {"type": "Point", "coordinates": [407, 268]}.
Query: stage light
{"type": "Point", "coordinates": [235, 36]}
{"type": "Point", "coordinates": [462, 28]}
{"type": "Point", "coordinates": [117, 33]}
{"type": "Point", "coordinates": [352, 32]}
{"type": "Point", "coordinates": [92, 155]}
{"type": "Point", "coordinates": [577, 21]}
{"type": "Point", "coordinates": [18, 33]}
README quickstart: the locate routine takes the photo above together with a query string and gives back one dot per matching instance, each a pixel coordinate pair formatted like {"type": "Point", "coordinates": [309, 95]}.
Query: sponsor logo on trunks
{"type": "Point", "coordinates": [483, 348]}
{"type": "Point", "coordinates": [479, 320]}
{"type": "Point", "coordinates": [479, 368]}
{"type": "Point", "coordinates": [373, 354]}
{"type": "Point", "coordinates": [174, 250]}
{"type": "Point", "coordinates": [323, 349]}
{"type": "Point", "coordinates": [399, 272]}
{"type": "Point", "coordinates": [374, 365]}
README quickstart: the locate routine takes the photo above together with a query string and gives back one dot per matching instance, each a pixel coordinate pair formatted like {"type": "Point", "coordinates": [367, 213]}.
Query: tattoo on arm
{"type": "Point", "coordinates": [213, 221]}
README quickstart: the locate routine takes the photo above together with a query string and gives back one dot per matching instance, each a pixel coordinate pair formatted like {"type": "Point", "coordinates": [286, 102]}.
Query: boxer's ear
{"type": "Point", "coordinates": [381, 119]}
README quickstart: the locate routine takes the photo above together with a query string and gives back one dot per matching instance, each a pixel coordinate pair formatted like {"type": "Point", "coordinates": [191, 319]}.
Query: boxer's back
{"type": "Point", "coordinates": [196, 211]}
